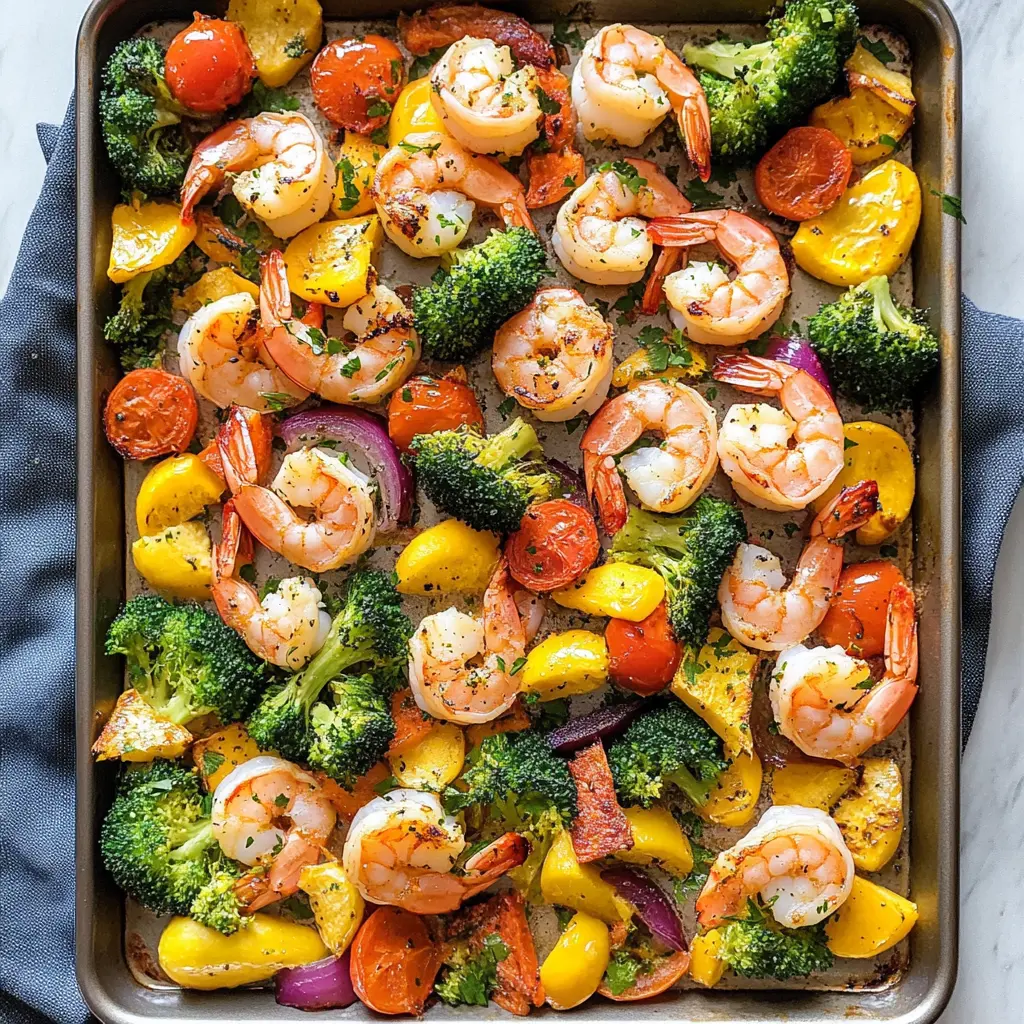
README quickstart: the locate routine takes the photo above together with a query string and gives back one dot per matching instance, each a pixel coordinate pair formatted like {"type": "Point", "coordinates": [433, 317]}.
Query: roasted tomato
{"type": "Point", "coordinates": [555, 544]}
{"type": "Point", "coordinates": [643, 656]}
{"type": "Point", "coordinates": [356, 81]}
{"type": "Point", "coordinates": [209, 65]}
{"type": "Point", "coordinates": [803, 174]}
{"type": "Point", "coordinates": [856, 616]}
{"type": "Point", "coordinates": [425, 404]}
{"type": "Point", "coordinates": [150, 413]}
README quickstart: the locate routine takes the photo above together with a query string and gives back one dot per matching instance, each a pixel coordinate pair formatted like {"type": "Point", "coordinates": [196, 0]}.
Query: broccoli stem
{"type": "Point", "coordinates": [515, 442]}
{"type": "Point", "coordinates": [330, 661]}
{"type": "Point", "coordinates": [201, 838]}
{"type": "Point", "coordinates": [886, 314]}
{"type": "Point", "coordinates": [696, 790]}
{"type": "Point", "coordinates": [727, 59]}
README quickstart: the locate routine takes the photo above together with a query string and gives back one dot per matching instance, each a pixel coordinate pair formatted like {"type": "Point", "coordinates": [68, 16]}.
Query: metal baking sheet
{"type": "Point", "coordinates": [873, 988]}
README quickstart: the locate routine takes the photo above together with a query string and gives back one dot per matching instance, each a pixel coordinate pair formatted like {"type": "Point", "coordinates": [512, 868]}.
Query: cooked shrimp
{"type": "Point", "coordinates": [460, 667]}
{"type": "Point", "coordinates": [599, 235]}
{"type": "Point", "coordinates": [711, 307]}
{"type": "Point", "coordinates": [282, 170]}
{"type": "Point", "coordinates": [667, 477]}
{"type": "Point", "coordinates": [532, 608]}
{"type": "Point", "coordinates": [784, 458]}
{"type": "Point", "coordinates": [289, 625]}
{"type": "Point", "coordinates": [625, 84]}
{"type": "Point", "coordinates": [553, 164]}
{"type": "Point", "coordinates": [386, 347]}
{"type": "Point", "coordinates": [268, 811]}
{"type": "Point", "coordinates": [824, 700]}
{"type": "Point", "coordinates": [220, 350]}
{"type": "Point", "coordinates": [401, 850]}
{"type": "Point", "coordinates": [555, 357]}
{"type": "Point", "coordinates": [341, 519]}
{"type": "Point", "coordinates": [427, 187]}
{"type": "Point", "coordinates": [760, 610]}
{"type": "Point", "coordinates": [794, 858]}
{"type": "Point", "coordinates": [484, 102]}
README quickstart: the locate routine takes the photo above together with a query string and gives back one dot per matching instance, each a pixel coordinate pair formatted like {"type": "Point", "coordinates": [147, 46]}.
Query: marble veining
{"type": "Point", "coordinates": [37, 48]}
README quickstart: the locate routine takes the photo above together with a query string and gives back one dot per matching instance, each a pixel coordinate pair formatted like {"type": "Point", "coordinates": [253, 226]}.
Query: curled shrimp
{"type": "Point", "coordinates": [484, 101]}
{"type": "Point", "coordinates": [794, 858]}
{"type": "Point", "coordinates": [666, 478]}
{"type": "Point", "coordinates": [708, 305]}
{"type": "Point", "coordinates": [269, 811]}
{"type": "Point", "coordinates": [401, 850]}
{"type": "Point", "coordinates": [340, 519]}
{"type": "Point", "coordinates": [760, 610]}
{"type": "Point", "coordinates": [385, 351]}
{"type": "Point", "coordinates": [460, 667]}
{"type": "Point", "coordinates": [427, 187]}
{"type": "Point", "coordinates": [779, 459]}
{"type": "Point", "coordinates": [600, 234]}
{"type": "Point", "coordinates": [625, 84]}
{"type": "Point", "coordinates": [823, 698]}
{"type": "Point", "coordinates": [289, 625]}
{"type": "Point", "coordinates": [553, 163]}
{"type": "Point", "coordinates": [555, 356]}
{"type": "Point", "coordinates": [282, 170]}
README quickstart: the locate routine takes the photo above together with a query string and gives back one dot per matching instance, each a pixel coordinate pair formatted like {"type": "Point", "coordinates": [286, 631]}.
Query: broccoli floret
{"type": "Point", "coordinates": [158, 844]}
{"type": "Point", "coordinates": [349, 736]}
{"type": "Point", "coordinates": [691, 550]}
{"type": "Point", "coordinates": [370, 630]}
{"type": "Point", "coordinates": [668, 744]}
{"type": "Point", "coordinates": [141, 121]}
{"type": "Point", "coordinates": [876, 350]}
{"type": "Point", "coordinates": [457, 315]}
{"type": "Point", "coordinates": [144, 313]}
{"type": "Point", "coordinates": [757, 947]}
{"type": "Point", "coordinates": [487, 482]}
{"type": "Point", "coordinates": [756, 91]}
{"type": "Point", "coordinates": [471, 977]}
{"type": "Point", "coordinates": [184, 661]}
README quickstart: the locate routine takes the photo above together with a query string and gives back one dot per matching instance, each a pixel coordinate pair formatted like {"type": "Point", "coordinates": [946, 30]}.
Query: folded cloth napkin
{"type": "Point", "coordinates": [37, 517]}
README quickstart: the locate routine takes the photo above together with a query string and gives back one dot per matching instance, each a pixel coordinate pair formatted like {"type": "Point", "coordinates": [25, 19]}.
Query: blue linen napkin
{"type": "Point", "coordinates": [37, 519]}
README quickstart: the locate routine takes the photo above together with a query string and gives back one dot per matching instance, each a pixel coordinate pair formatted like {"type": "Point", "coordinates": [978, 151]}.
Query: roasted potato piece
{"type": "Point", "coordinates": [865, 71]}
{"type": "Point", "coordinates": [330, 261]}
{"type": "Point", "coordinates": [283, 35]}
{"type": "Point", "coordinates": [566, 664]}
{"type": "Point", "coordinates": [336, 903]}
{"type": "Point", "coordinates": [213, 285]}
{"type": "Point", "coordinates": [146, 236]}
{"type": "Point", "coordinates": [865, 123]}
{"type": "Point", "coordinates": [811, 784]}
{"type": "Point", "coordinates": [447, 558]}
{"type": "Point", "coordinates": [135, 732]}
{"type": "Point", "coordinates": [734, 795]}
{"type": "Point", "coordinates": [178, 561]}
{"type": "Point", "coordinates": [220, 752]}
{"type": "Point", "coordinates": [871, 814]}
{"type": "Point", "coordinates": [433, 762]}
{"type": "Point", "coordinates": [872, 920]}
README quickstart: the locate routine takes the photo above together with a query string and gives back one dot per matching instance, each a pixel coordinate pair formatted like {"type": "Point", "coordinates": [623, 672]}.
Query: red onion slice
{"type": "Point", "coordinates": [322, 985]}
{"type": "Point", "coordinates": [652, 906]}
{"type": "Point", "coordinates": [798, 352]}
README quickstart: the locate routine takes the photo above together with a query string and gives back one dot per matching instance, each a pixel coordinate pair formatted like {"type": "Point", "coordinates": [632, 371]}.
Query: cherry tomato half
{"type": "Point", "coordinates": [209, 65]}
{"type": "Point", "coordinates": [150, 413]}
{"type": "Point", "coordinates": [394, 962]}
{"type": "Point", "coordinates": [803, 174]}
{"type": "Point", "coordinates": [555, 544]}
{"type": "Point", "coordinates": [643, 656]}
{"type": "Point", "coordinates": [424, 404]}
{"type": "Point", "coordinates": [858, 610]}
{"type": "Point", "coordinates": [356, 80]}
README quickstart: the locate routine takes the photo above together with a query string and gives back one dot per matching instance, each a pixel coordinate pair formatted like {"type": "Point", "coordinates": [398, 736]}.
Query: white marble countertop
{"type": "Point", "coordinates": [36, 77]}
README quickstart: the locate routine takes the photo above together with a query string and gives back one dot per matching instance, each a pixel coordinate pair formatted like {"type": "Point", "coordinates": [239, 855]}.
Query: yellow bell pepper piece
{"type": "Point", "coordinates": [449, 558]}
{"type": "Point", "coordinates": [135, 732]}
{"type": "Point", "coordinates": [865, 71]}
{"type": "Point", "coordinates": [811, 785]}
{"type": "Point", "coordinates": [330, 261]}
{"type": "Point", "coordinates": [356, 161]}
{"type": "Point", "coordinates": [174, 491]}
{"type": "Point", "coordinates": [636, 368]}
{"type": "Point", "coordinates": [718, 685]}
{"type": "Point", "coordinates": [194, 956]}
{"type": "Point", "coordinates": [872, 920]}
{"type": "Point", "coordinates": [413, 112]}
{"type": "Point", "coordinates": [146, 236]}
{"type": "Point", "coordinates": [861, 121]}
{"type": "Point", "coordinates": [177, 561]}
{"type": "Point", "coordinates": [876, 452]}
{"type": "Point", "coordinates": [734, 794]}
{"type": "Point", "coordinates": [618, 590]}
{"type": "Point", "coordinates": [432, 763]}
{"type": "Point", "coordinates": [284, 35]}
{"type": "Point", "coordinates": [566, 882]}
{"type": "Point", "coordinates": [870, 816]}
{"type": "Point", "coordinates": [221, 752]}
{"type": "Point", "coordinates": [565, 664]}
{"type": "Point", "coordinates": [335, 901]}
{"type": "Point", "coordinates": [213, 285]}
{"type": "Point", "coordinates": [705, 967]}
{"type": "Point", "coordinates": [867, 233]}
{"type": "Point", "coordinates": [575, 966]}
{"type": "Point", "coordinates": [657, 839]}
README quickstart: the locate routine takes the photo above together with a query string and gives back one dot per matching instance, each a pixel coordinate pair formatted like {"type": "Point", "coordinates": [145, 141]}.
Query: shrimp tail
{"type": "Point", "coordinates": [695, 124]}
{"type": "Point", "coordinates": [901, 634]}
{"type": "Point", "coordinates": [683, 230]}
{"type": "Point", "coordinates": [245, 444]}
{"type": "Point", "coordinates": [235, 547]}
{"type": "Point", "coordinates": [226, 149]}
{"type": "Point", "coordinates": [850, 509]}
{"type": "Point", "coordinates": [753, 374]}
{"type": "Point", "coordinates": [654, 294]}
{"type": "Point", "coordinates": [552, 176]}
{"type": "Point", "coordinates": [275, 295]}
{"type": "Point", "coordinates": [516, 214]}
{"type": "Point", "coordinates": [503, 626]}
{"type": "Point", "coordinates": [604, 485]}
{"type": "Point", "coordinates": [493, 861]}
